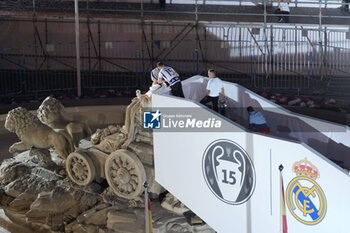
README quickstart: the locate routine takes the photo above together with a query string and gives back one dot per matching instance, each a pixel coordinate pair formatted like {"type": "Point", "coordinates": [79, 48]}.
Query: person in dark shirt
{"type": "Point", "coordinates": [162, 3]}
{"type": "Point", "coordinates": [171, 77]}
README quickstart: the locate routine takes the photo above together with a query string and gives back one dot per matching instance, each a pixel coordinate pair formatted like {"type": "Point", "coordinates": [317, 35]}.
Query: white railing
{"type": "Point", "coordinates": [327, 138]}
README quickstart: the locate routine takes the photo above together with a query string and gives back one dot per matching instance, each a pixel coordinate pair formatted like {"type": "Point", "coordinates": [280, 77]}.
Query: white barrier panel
{"type": "Point", "coordinates": [244, 98]}
{"type": "Point", "coordinates": [231, 179]}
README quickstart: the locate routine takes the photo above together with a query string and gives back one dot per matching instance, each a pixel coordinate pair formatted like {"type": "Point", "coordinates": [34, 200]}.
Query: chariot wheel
{"type": "Point", "coordinates": [80, 168]}
{"type": "Point", "coordinates": [125, 174]}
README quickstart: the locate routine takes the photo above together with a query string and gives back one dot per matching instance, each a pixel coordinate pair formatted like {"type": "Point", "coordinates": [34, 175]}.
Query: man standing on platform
{"type": "Point", "coordinates": [214, 88]}
{"type": "Point", "coordinates": [171, 77]}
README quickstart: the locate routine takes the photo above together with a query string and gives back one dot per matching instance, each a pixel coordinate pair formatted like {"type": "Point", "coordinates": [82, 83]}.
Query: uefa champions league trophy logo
{"type": "Point", "coordinates": [229, 172]}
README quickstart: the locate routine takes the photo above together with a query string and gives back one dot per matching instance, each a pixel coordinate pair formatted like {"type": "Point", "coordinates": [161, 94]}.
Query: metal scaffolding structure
{"type": "Point", "coordinates": [37, 51]}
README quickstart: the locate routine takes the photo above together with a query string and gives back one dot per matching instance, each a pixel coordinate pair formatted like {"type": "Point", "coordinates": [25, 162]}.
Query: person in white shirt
{"type": "Point", "coordinates": [154, 75]}
{"type": "Point", "coordinates": [214, 88]}
{"type": "Point", "coordinates": [171, 77]}
{"type": "Point", "coordinates": [155, 85]}
{"type": "Point", "coordinates": [283, 11]}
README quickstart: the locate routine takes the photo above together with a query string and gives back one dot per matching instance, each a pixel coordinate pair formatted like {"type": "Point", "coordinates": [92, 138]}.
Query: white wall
{"type": "Point", "coordinates": [178, 164]}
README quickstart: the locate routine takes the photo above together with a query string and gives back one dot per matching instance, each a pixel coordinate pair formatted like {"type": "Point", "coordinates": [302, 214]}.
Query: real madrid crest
{"type": "Point", "coordinates": [228, 171]}
{"type": "Point", "coordinates": [305, 198]}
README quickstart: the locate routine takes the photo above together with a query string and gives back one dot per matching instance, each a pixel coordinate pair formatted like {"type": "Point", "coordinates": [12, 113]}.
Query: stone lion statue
{"type": "Point", "coordinates": [51, 113]}
{"type": "Point", "coordinates": [33, 133]}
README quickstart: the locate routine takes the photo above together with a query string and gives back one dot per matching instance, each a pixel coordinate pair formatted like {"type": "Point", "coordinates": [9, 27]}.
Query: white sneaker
{"type": "Point", "coordinates": [280, 20]}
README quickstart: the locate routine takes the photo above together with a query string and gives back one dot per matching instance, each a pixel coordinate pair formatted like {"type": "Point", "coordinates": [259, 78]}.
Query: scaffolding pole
{"type": "Point", "coordinates": [77, 46]}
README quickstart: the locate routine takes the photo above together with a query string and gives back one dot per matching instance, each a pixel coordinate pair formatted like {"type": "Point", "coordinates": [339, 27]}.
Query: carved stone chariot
{"type": "Point", "coordinates": [122, 156]}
